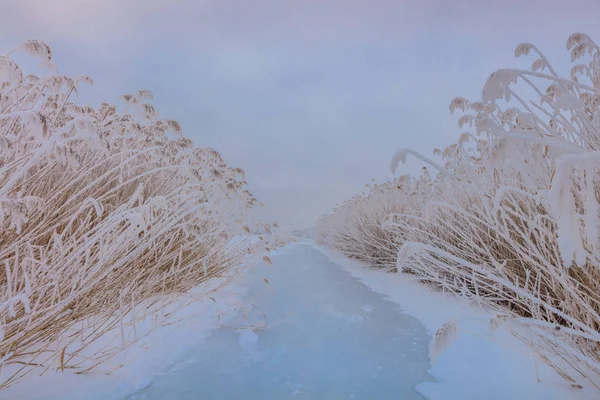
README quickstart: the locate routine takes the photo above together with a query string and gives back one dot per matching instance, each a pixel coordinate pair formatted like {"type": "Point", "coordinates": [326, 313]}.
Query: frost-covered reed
{"type": "Point", "coordinates": [107, 216]}
{"type": "Point", "coordinates": [511, 218]}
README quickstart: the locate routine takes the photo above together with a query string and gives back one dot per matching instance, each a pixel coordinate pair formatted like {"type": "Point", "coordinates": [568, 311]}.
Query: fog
{"type": "Point", "coordinates": [311, 98]}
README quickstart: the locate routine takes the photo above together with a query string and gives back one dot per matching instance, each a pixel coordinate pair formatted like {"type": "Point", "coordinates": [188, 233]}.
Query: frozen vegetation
{"type": "Point", "coordinates": [108, 218]}
{"type": "Point", "coordinates": [127, 256]}
{"type": "Point", "coordinates": [510, 219]}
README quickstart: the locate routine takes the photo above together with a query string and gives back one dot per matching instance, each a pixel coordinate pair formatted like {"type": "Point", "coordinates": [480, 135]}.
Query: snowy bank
{"type": "Point", "coordinates": [183, 329]}
{"type": "Point", "coordinates": [477, 364]}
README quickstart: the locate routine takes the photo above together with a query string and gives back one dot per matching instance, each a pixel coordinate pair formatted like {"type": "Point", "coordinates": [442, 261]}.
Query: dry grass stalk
{"type": "Point", "coordinates": [107, 216]}
{"type": "Point", "coordinates": [513, 219]}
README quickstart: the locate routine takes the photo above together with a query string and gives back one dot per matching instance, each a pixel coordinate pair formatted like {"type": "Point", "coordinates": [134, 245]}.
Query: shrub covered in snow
{"type": "Point", "coordinates": [107, 216]}
{"type": "Point", "coordinates": [512, 217]}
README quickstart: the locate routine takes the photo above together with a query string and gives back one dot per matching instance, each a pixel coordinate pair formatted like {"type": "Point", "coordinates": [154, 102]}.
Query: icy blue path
{"type": "Point", "coordinates": [327, 336]}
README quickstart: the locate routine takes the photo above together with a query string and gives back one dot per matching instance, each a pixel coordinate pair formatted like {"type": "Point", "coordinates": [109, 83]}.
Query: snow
{"type": "Point", "coordinates": [313, 332]}
{"type": "Point", "coordinates": [144, 361]}
{"type": "Point", "coordinates": [318, 325]}
{"type": "Point", "coordinates": [478, 364]}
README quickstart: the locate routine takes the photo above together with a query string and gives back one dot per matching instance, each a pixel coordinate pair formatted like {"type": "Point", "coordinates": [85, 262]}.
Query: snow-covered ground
{"type": "Point", "coordinates": [185, 329]}
{"type": "Point", "coordinates": [316, 325]}
{"type": "Point", "coordinates": [314, 332]}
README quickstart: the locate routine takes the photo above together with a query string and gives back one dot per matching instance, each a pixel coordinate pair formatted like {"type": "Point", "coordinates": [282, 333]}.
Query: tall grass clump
{"type": "Point", "coordinates": [107, 216]}
{"type": "Point", "coordinates": [511, 218]}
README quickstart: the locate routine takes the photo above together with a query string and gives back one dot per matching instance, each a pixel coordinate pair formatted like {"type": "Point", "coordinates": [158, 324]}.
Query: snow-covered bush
{"type": "Point", "coordinates": [107, 216]}
{"type": "Point", "coordinates": [512, 217]}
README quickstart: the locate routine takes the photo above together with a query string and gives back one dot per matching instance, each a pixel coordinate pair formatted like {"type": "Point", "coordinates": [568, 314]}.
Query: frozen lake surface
{"type": "Point", "coordinates": [313, 332]}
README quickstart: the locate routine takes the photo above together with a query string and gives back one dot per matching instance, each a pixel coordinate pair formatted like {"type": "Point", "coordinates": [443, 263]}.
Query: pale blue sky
{"type": "Point", "coordinates": [310, 98]}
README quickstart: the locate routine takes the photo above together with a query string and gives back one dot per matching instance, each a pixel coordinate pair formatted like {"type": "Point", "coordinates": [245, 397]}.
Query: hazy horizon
{"type": "Point", "coordinates": [310, 98]}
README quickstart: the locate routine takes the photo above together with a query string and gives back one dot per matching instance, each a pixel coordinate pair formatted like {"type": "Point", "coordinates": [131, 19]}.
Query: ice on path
{"type": "Point", "coordinates": [327, 336]}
